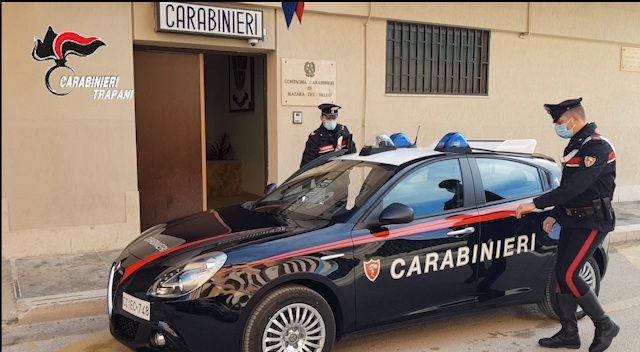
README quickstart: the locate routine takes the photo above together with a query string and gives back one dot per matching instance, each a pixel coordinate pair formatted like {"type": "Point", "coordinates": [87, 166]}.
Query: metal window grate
{"type": "Point", "coordinates": [431, 59]}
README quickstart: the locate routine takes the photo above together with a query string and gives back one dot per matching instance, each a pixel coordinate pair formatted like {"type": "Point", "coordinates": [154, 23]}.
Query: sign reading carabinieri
{"type": "Point", "coordinates": [208, 20]}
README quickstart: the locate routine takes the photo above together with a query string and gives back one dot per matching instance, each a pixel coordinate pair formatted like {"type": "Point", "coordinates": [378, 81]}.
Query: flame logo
{"type": "Point", "coordinates": [57, 47]}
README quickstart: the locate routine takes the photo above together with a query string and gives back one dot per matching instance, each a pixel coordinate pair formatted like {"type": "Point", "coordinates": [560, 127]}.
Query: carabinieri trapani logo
{"type": "Point", "coordinates": [58, 46]}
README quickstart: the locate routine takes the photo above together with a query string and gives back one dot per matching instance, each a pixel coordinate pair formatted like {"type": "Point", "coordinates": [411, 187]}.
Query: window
{"type": "Point", "coordinates": [432, 189]}
{"type": "Point", "coordinates": [430, 59]}
{"type": "Point", "coordinates": [503, 179]}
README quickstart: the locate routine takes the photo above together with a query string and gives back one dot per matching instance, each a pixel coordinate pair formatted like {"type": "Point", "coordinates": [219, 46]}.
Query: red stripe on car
{"type": "Point", "coordinates": [498, 212]}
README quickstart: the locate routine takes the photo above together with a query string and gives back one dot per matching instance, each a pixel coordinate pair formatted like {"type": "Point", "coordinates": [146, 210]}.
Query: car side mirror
{"type": "Point", "coordinates": [270, 188]}
{"type": "Point", "coordinates": [396, 213]}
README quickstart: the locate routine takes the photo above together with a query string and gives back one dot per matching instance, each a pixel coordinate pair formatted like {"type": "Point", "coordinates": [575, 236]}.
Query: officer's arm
{"type": "Point", "coordinates": [310, 150]}
{"type": "Point", "coordinates": [580, 180]}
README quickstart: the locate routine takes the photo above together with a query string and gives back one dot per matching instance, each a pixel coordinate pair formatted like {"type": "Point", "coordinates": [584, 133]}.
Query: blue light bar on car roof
{"type": "Point", "coordinates": [400, 140]}
{"type": "Point", "coordinates": [453, 142]}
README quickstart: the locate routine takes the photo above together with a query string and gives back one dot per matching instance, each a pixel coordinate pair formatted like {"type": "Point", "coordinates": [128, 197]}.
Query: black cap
{"type": "Point", "coordinates": [329, 110]}
{"type": "Point", "coordinates": [556, 110]}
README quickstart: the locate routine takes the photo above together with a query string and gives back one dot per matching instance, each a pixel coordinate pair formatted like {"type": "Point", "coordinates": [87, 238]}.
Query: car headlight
{"type": "Point", "coordinates": [186, 278]}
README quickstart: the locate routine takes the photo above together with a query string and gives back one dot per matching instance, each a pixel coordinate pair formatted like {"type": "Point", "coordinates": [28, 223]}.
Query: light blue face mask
{"type": "Point", "coordinates": [563, 131]}
{"type": "Point", "coordinates": [330, 125]}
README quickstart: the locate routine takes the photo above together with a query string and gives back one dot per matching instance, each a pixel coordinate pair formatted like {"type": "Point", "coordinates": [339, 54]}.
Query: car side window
{"type": "Point", "coordinates": [431, 189]}
{"type": "Point", "coordinates": [504, 179]}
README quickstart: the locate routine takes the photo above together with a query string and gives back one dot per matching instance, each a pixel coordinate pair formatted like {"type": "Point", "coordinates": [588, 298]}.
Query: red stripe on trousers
{"type": "Point", "coordinates": [574, 264]}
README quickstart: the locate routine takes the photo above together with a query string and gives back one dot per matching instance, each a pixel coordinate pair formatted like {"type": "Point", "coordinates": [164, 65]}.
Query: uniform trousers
{"type": "Point", "coordinates": [574, 250]}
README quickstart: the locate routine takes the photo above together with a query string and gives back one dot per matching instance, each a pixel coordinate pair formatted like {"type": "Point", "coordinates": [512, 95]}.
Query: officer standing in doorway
{"type": "Point", "coordinates": [329, 137]}
{"type": "Point", "coordinates": [583, 209]}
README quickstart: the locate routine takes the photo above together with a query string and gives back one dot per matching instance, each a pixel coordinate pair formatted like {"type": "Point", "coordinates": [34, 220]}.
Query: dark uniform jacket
{"type": "Point", "coordinates": [323, 141]}
{"type": "Point", "coordinates": [588, 174]}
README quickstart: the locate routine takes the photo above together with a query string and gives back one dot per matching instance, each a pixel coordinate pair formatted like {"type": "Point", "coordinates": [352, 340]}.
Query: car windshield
{"type": "Point", "coordinates": [327, 191]}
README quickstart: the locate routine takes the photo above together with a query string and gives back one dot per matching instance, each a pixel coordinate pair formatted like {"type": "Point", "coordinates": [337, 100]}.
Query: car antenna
{"type": "Point", "coordinates": [415, 142]}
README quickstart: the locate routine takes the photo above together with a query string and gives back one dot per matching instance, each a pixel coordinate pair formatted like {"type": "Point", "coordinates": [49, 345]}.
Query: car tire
{"type": "Point", "coordinates": [549, 306]}
{"type": "Point", "coordinates": [290, 307]}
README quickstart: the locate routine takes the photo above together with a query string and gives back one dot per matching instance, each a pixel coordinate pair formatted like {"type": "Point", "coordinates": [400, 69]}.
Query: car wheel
{"type": "Point", "coordinates": [590, 273]}
{"type": "Point", "coordinates": [290, 318]}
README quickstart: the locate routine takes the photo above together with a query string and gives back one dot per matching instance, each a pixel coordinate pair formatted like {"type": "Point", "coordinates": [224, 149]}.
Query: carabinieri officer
{"type": "Point", "coordinates": [583, 209]}
{"type": "Point", "coordinates": [329, 137]}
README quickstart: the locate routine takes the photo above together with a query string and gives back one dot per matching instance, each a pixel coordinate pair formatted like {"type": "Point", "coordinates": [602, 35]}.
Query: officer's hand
{"type": "Point", "coordinates": [524, 208]}
{"type": "Point", "coordinates": [547, 224]}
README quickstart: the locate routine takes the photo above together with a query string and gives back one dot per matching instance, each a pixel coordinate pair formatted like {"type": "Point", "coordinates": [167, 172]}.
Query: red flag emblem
{"type": "Point", "coordinates": [372, 269]}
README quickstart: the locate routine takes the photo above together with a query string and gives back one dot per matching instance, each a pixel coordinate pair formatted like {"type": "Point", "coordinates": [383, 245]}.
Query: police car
{"type": "Point", "coordinates": [348, 243]}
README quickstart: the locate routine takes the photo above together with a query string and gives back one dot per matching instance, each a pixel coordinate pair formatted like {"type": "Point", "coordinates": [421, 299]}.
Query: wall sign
{"type": "Point", "coordinates": [630, 59]}
{"type": "Point", "coordinates": [308, 82]}
{"type": "Point", "coordinates": [208, 20]}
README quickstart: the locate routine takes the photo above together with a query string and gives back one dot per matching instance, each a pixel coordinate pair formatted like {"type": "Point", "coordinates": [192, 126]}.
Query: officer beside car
{"type": "Point", "coordinates": [329, 137]}
{"type": "Point", "coordinates": [582, 206]}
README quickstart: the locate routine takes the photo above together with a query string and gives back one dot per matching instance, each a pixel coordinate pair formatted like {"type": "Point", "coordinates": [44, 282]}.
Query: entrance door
{"type": "Point", "coordinates": [169, 133]}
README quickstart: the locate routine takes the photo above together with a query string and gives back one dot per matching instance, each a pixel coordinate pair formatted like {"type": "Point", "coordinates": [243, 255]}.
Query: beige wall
{"type": "Point", "coordinates": [245, 128]}
{"type": "Point", "coordinates": [59, 189]}
{"type": "Point", "coordinates": [553, 63]}
{"type": "Point", "coordinates": [310, 41]}
{"type": "Point", "coordinates": [70, 174]}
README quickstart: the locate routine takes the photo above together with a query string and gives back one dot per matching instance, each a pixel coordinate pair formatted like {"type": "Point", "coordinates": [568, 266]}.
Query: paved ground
{"type": "Point", "coordinates": [507, 329]}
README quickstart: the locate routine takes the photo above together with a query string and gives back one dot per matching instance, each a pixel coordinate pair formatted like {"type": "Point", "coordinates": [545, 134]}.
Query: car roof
{"type": "Point", "coordinates": [392, 157]}
{"type": "Point", "coordinates": [403, 155]}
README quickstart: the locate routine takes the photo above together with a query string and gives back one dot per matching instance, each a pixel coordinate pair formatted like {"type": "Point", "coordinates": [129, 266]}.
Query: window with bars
{"type": "Point", "coordinates": [431, 59]}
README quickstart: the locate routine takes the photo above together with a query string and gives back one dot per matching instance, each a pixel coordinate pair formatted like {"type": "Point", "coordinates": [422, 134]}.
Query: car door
{"type": "Point", "coordinates": [514, 264]}
{"type": "Point", "coordinates": [423, 266]}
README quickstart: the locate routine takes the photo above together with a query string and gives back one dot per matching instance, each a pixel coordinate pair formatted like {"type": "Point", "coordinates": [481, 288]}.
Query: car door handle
{"type": "Point", "coordinates": [460, 233]}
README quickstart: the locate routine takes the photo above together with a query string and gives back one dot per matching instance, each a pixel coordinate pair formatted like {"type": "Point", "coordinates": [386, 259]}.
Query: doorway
{"type": "Point", "coordinates": [200, 131]}
{"type": "Point", "coordinates": [235, 118]}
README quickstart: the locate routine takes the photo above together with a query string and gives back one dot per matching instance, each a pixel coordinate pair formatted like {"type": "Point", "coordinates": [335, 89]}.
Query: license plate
{"type": "Point", "coordinates": [135, 306]}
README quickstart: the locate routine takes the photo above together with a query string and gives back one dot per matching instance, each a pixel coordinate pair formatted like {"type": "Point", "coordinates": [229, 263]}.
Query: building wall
{"type": "Point", "coordinates": [68, 163]}
{"type": "Point", "coordinates": [554, 62]}
{"type": "Point", "coordinates": [69, 180]}
{"type": "Point", "coordinates": [309, 41]}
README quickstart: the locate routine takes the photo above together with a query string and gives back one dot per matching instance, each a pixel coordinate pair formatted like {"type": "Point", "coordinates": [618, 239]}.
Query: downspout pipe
{"type": "Point", "coordinates": [528, 32]}
{"type": "Point", "coordinates": [364, 117]}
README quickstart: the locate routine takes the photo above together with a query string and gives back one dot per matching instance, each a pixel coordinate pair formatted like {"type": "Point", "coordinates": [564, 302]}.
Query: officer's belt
{"type": "Point", "coordinates": [579, 212]}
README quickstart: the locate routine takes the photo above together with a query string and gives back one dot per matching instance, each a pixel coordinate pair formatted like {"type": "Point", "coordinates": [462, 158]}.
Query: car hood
{"type": "Point", "coordinates": [222, 228]}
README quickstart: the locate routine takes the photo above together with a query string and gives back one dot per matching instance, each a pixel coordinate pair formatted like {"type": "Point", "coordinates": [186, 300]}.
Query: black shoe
{"type": "Point", "coordinates": [568, 336]}
{"type": "Point", "coordinates": [606, 329]}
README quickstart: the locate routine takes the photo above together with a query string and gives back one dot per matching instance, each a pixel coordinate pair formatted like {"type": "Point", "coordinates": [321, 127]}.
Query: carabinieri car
{"type": "Point", "coordinates": [347, 243]}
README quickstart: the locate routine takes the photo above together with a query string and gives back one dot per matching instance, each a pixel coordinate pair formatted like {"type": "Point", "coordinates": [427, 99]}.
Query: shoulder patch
{"type": "Point", "coordinates": [589, 161]}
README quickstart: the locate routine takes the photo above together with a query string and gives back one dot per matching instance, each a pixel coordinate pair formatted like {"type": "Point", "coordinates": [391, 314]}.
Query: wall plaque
{"type": "Point", "coordinates": [307, 82]}
{"type": "Point", "coordinates": [630, 59]}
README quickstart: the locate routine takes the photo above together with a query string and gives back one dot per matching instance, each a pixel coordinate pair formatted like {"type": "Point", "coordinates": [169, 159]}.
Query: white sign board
{"type": "Point", "coordinates": [208, 20]}
{"type": "Point", "coordinates": [308, 82]}
{"type": "Point", "coordinates": [630, 59]}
